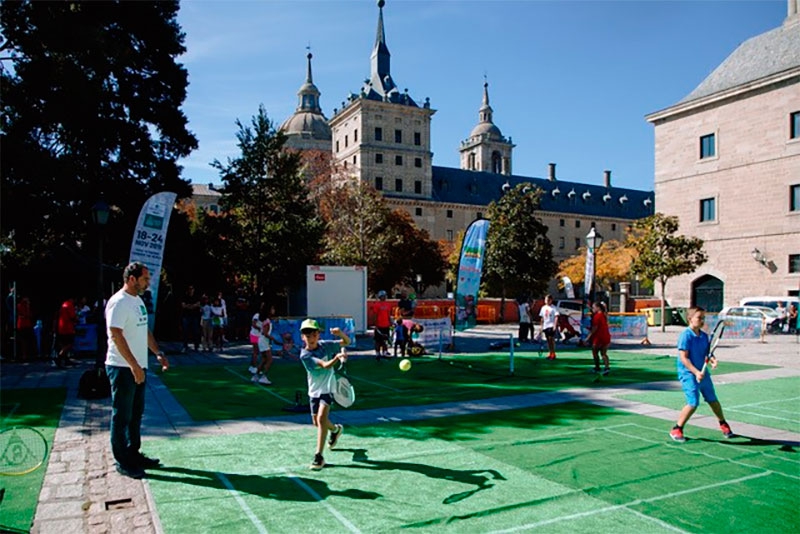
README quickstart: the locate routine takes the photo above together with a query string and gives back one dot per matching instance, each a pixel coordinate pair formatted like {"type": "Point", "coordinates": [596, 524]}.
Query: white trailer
{"type": "Point", "coordinates": [337, 290]}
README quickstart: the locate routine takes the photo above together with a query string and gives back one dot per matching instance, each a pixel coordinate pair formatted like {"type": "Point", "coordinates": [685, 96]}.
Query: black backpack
{"type": "Point", "coordinates": [94, 384]}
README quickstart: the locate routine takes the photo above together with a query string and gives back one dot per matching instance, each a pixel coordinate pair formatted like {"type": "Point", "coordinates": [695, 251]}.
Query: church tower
{"type": "Point", "coordinates": [307, 128]}
{"type": "Point", "coordinates": [382, 135]}
{"type": "Point", "coordinates": [486, 149]}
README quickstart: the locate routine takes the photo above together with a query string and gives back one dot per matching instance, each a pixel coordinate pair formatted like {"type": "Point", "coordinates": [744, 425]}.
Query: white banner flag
{"type": "Point", "coordinates": [148, 244]}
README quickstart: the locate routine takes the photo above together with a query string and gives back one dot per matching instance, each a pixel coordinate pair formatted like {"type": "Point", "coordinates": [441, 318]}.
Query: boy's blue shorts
{"type": "Point", "coordinates": [692, 390]}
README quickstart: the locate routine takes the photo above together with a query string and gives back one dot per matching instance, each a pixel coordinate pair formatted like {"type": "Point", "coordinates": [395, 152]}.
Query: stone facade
{"type": "Point", "coordinates": [749, 178]}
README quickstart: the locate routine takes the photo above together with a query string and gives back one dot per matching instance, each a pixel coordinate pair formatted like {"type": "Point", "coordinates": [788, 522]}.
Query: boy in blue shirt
{"type": "Point", "coordinates": [318, 357]}
{"type": "Point", "coordinates": [693, 346]}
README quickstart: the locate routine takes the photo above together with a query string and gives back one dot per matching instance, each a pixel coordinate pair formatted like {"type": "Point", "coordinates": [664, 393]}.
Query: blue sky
{"type": "Point", "coordinates": [569, 81]}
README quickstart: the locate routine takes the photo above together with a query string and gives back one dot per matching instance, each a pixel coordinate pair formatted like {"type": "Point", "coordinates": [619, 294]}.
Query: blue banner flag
{"type": "Point", "coordinates": [470, 265]}
{"type": "Point", "coordinates": [148, 244]}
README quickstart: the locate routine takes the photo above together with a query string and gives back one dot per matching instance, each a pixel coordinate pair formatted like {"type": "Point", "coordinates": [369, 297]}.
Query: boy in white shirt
{"type": "Point", "coordinates": [549, 318]}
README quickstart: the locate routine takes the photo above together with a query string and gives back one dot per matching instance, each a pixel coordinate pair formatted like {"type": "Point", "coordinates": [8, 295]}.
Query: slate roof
{"type": "Point", "coordinates": [765, 55]}
{"type": "Point", "coordinates": [457, 186]}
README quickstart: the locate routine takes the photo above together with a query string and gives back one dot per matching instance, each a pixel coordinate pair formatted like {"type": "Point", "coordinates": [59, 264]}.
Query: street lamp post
{"type": "Point", "coordinates": [593, 242]}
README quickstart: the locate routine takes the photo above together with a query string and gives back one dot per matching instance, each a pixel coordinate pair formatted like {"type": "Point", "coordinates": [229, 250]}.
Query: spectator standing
{"type": "Point", "coordinates": [524, 320]}
{"type": "Point", "coordinates": [549, 317]}
{"type": "Point", "coordinates": [66, 320]}
{"type": "Point", "coordinates": [383, 325]}
{"type": "Point", "coordinates": [405, 305]}
{"type": "Point", "coordinates": [190, 319]}
{"type": "Point", "coordinates": [401, 334]}
{"type": "Point", "coordinates": [600, 337]}
{"type": "Point", "coordinates": [126, 367]}
{"type": "Point", "coordinates": [205, 323]}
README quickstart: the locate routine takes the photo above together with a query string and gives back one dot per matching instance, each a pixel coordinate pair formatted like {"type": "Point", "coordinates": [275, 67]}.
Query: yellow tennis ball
{"type": "Point", "coordinates": [405, 365]}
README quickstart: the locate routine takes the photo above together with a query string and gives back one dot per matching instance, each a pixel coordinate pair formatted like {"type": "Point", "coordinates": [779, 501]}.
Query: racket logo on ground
{"type": "Point", "coordinates": [22, 450]}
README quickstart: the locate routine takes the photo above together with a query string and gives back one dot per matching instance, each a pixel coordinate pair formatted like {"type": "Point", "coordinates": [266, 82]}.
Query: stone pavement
{"type": "Point", "coordinates": [83, 493]}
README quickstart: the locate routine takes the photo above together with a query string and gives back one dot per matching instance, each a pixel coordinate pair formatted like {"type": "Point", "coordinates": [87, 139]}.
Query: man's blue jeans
{"type": "Point", "coordinates": [127, 408]}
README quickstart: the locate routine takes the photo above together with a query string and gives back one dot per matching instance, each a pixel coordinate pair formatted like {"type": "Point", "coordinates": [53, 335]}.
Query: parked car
{"type": "Point", "coordinates": [764, 313]}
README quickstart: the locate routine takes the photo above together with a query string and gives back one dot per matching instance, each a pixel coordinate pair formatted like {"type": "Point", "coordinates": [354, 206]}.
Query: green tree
{"type": "Point", "coordinates": [661, 254]}
{"type": "Point", "coordinates": [519, 256]}
{"type": "Point", "coordinates": [90, 109]}
{"type": "Point", "coordinates": [269, 230]}
{"type": "Point", "coordinates": [363, 230]}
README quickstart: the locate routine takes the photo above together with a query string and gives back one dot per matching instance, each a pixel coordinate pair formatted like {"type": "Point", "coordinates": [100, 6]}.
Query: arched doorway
{"type": "Point", "coordinates": [707, 292]}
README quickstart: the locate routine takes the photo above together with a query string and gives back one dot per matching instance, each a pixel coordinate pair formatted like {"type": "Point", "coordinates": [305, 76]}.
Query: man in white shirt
{"type": "Point", "coordinates": [126, 365]}
{"type": "Point", "coordinates": [524, 320]}
{"type": "Point", "coordinates": [549, 318]}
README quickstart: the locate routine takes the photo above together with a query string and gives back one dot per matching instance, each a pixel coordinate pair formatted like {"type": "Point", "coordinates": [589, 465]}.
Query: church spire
{"type": "Point", "coordinates": [308, 95]}
{"type": "Point", "coordinates": [485, 113]}
{"type": "Point", "coordinates": [380, 58]}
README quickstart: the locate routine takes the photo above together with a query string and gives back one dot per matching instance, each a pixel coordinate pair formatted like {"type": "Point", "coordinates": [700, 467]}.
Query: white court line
{"type": "Point", "coordinates": [11, 412]}
{"type": "Point", "coordinates": [700, 453]}
{"type": "Point", "coordinates": [374, 383]}
{"type": "Point", "coordinates": [250, 515]}
{"type": "Point", "coordinates": [762, 415]}
{"type": "Point", "coordinates": [243, 377]}
{"type": "Point", "coordinates": [308, 489]}
{"type": "Point", "coordinates": [635, 502]}
{"type": "Point", "coordinates": [765, 402]}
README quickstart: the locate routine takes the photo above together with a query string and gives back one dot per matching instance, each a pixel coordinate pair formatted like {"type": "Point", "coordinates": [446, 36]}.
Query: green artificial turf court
{"type": "Point", "coordinates": [566, 468]}
{"type": "Point", "coordinates": [774, 403]}
{"type": "Point", "coordinates": [40, 409]}
{"type": "Point", "coordinates": [218, 392]}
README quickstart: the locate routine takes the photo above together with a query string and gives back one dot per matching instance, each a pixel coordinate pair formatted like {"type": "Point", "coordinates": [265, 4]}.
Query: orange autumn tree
{"type": "Point", "coordinates": [612, 264]}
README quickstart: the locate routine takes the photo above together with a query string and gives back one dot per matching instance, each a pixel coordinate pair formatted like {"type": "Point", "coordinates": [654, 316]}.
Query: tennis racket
{"type": "Point", "coordinates": [343, 393]}
{"type": "Point", "coordinates": [716, 335]}
{"type": "Point", "coordinates": [22, 450]}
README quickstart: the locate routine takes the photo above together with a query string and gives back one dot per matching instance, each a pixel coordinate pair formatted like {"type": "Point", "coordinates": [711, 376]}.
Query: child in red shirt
{"type": "Point", "coordinates": [600, 336]}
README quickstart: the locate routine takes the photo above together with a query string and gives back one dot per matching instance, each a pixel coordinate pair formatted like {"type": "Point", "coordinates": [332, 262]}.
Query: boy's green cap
{"type": "Point", "coordinates": [310, 324]}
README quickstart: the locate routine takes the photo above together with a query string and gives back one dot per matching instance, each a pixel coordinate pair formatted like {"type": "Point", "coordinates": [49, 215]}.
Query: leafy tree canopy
{"type": "Point", "coordinates": [612, 264]}
{"type": "Point", "coordinates": [90, 110]}
{"type": "Point", "coordinates": [519, 256]}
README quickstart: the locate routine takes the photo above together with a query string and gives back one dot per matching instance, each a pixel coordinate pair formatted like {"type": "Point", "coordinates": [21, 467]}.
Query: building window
{"type": "Point", "coordinates": [378, 133]}
{"type": "Point", "coordinates": [794, 263]}
{"type": "Point", "coordinates": [417, 138]}
{"type": "Point", "coordinates": [708, 210]}
{"type": "Point", "coordinates": [355, 136]}
{"type": "Point", "coordinates": [398, 160]}
{"type": "Point", "coordinates": [577, 243]}
{"type": "Point", "coordinates": [418, 187]}
{"type": "Point", "coordinates": [418, 212]}
{"type": "Point", "coordinates": [398, 185]}
{"type": "Point", "coordinates": [479, 215]}
{"type": "Point", "coordinates": [378, 158]}
{"type": "Point", "coordinates": [707, 146]}
{"type": "Point", "coordinates": [337, 146]}
{"type": "Point", "coordinates": [354, 159]}
{"type": "Point", "coordinates": [794, 197]}
{"type": "Point", "coordinates": [562, 243]}
{"type": "Point", "coordinates": [449, 214]}
{"type": "Point", "coordinates": [577, 223]}
{"type": "Point", "coordinates": [794, 125]}
{"type": "Point", "coordinates": [398, 136]}
{"type": "Point", "coordinates": [561, 222]}
{"type": "Point", "coordinates": [613, 227]}
{"type": "Point", "coordinates": [345, 141]}
{"type": "Point", "coordinates": [418, 162]}
{"type": "Point", "coordinates": [213, 208]}
{"type": "Point", "coordinates": [379, 183]}
{"type": "Point", "coordinates": [449, 234]}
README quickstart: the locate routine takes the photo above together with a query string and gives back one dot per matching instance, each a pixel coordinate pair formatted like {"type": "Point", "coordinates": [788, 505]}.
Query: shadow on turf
{"type": "Point", "coordinates": [276, 487]}
{"type": "Point", "coordinates": [480, 478]}
{"type": "Point", "coordinates": [784, 445]}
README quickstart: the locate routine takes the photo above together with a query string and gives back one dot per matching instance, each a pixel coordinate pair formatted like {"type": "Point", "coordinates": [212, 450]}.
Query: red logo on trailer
{"type": "Point", "coordinates": [319, 277]}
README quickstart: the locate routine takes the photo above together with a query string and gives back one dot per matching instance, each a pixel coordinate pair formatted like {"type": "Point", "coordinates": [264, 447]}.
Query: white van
{"type": "Point", "coordinates": [770, 302]}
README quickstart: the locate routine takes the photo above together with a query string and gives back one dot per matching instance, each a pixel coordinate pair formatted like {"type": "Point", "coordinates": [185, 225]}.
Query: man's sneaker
{"type": "Point", "coordinates": [335, 435]}
{"type": "Point", "coordinates": [145, 462]}
{"type": "Point", "coordinates": [253, 369]}
{"type": "Point", "coordinates": [726, 430]}
{"type": "Point", "coordinates": [606, 371]}
{"type": "Point", "coordinates": [318, 463]}
{"type": "Point", "coordinates": [677, 435]}
{"type": "Point", "coordinates": [264, 380]}
{"type": "Point", "coordinates": [130, 472]}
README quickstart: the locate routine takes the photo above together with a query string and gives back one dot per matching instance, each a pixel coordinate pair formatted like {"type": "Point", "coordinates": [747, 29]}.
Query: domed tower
{"type": "Point", "coordinates": [486, 149]}
{"type": "Point", "coordinates": [307, 128]}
